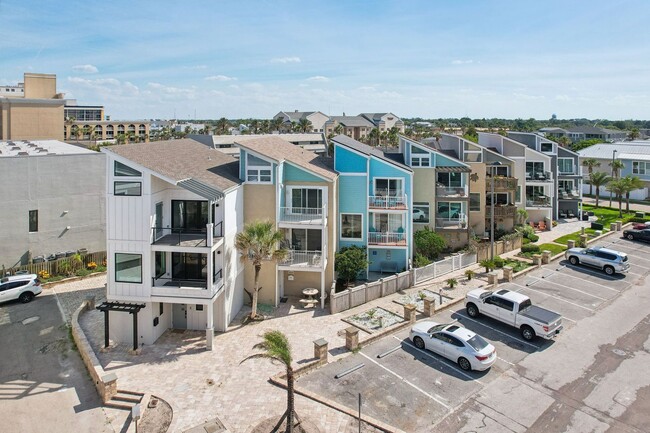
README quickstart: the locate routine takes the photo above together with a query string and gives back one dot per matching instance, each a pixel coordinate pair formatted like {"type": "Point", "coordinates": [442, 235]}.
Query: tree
{"type": "Point", "coordinates": [617, 165]}
{"type": "Point", "coordinates": [304, 125]}
{"type": "Point", "coordinates": [633, 134]}
{"type": "Point", "coordinates": [349, 262]}
{"type": "Point", "coordinates": [429, 243]}
{"type": "Point", "coordinates": [618, 187]}
{"type": "Point", "coordinates": [563, 141]}
{"type": "Point", "coordinates": [338, 130]}
{"type": "Point", "coordinates": [222, 126]}
{"type": "Point", "coordinates": [632, 183]}
{"type": "Point", "coordinates": [590, 163]}
{"type": "Point", "coordinates": [374, 136]}
{"type": "Point", "coordinates": [276, 124]}
{"type": "Point", "coordinates": [471, 134]}
{"type": "Point", "coordinates": [275, 346]}
{"type": "Point", "coordinates": [258, 242]}
{"type": "Point", "coordinates": [207, 128]}
{"type": "Point", "coordinates": [598, 179]}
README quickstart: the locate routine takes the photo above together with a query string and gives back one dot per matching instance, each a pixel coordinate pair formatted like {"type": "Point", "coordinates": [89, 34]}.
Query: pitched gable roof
{"type": "Point", "coordinates": [180, 160]}
{"type": "Point", "coordinates": [353, 121]}
{"type": "Point", "coordinates": [368, 150]}
{"type": "Point", "coordinates": [279, 150]}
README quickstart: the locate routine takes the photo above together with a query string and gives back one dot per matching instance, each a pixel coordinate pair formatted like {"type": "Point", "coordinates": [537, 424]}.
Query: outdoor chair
{"type": "Point", "coordinates": [571, 214]}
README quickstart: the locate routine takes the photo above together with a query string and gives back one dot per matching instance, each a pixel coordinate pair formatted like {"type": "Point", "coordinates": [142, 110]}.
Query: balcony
{"type": "Point", "coordinates": [539, 176]}
{"type": "Point", "coordinates": [452, 191]}
{"type": "Point", "coordinates": [459, 223]}
{"type": "Point", "coordinates": [569, 195]}
{"type": "Point", "coordinates": [501, 211]}
{"type": "Point", "coordinates": [387, 239]}
{"type": "Point", "coordinates": [304, 215]}
{"type": "Point", "coordinates": [189, 238]}
{"type": "Point", "coordinates": [501, 183]}
{"type": "Point", "coordinates": [393, 200]}
{"type": "Point", "coordinates": [304, 259]}
{"type": "Point", "coordinates": [539, 202]}
{"type": "Point", "coordinates": [187, 288]}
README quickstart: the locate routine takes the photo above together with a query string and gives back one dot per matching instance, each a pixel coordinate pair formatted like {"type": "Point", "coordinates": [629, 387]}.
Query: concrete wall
{"type": "Point", "coordinates": [22, 119]}
{"type": "Point", "coordinates": [40, 85]}
{"type": "Point", "coordinates": [67, 191]}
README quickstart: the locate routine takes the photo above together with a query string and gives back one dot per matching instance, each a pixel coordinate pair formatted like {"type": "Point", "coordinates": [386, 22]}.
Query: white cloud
{"type": "Point", "coordinates": [286, 60]}
{"type": "Point", "coordinates": [220, 78]}
{"type": "Point", "coordinates": [366, 89]}
{"type": "Point", "coordinates": [527, 97]}
{"type": "Point", "coordinates": [462, 62]}
{"type": "Point", "coordinates": [318, 78]}
{"type": "Point", "coordinates": [86, 69]}
{"type": "Point", "coordinates": [562, 98]}
{"type": "Point", "coordinates": [196, 67]}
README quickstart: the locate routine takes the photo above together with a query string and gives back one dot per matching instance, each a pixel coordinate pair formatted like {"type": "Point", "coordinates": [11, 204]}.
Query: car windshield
{"type": "Point", "coordinates": [477, 343]}
{"type": "Point", "coordinates": [437, 328]}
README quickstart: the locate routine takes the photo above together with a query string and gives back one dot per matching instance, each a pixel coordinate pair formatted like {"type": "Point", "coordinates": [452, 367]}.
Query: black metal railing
{"type": "Point", "coordinates": [192, 283]}
{"type": "Point", "coordinates": [217, 276]}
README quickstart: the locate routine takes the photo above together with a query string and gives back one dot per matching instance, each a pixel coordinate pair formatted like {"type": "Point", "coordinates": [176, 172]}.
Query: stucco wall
{"type": "Point", "coordinates": [21, 120]}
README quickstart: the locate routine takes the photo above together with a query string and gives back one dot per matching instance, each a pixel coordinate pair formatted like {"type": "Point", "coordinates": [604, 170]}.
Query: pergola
{"type": "Point", "coordinates": [127, 308]}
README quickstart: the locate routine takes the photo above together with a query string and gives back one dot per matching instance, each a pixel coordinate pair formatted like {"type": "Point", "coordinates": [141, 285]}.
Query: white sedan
{"type": "Point", "coordinates": [458, 344]}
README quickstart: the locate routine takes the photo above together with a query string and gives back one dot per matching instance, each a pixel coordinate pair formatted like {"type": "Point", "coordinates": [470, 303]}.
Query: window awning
{"type": "Point", "coordinates": [453, 169]}
{"type": "Point", "coordinates": [120, 306]}
{"type": "Point", "coordinates": [201, 189]}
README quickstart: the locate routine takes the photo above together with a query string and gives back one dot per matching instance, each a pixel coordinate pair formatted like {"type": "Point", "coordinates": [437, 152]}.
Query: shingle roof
{"type": "Point", "coordinates": [587, 129]}
{"type": "Point", "coordinates": [368, 150]}
{"type": "Point", "coordinates": [280, 150]}
{"type": "Point", "coordinates": [353, 121]}
{"type": "Point", "coordinates": [183, 159]}
{"type": "Point", "coordinates": [297, 115]}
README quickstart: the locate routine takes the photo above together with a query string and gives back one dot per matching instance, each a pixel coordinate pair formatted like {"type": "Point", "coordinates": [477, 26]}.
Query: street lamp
{"type": "Point", "coordinates": [613, 159]}
{"type": "Point", "coordinates": [492, 166]}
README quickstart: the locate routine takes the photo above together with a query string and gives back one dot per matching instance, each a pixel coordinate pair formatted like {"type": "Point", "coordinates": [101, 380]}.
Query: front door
{"type": "Point", "coordinates": [179, 316]}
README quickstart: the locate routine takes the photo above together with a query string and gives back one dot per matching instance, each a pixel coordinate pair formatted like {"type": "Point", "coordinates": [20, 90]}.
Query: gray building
{"type": "Point", "coordinates": [52, 200]}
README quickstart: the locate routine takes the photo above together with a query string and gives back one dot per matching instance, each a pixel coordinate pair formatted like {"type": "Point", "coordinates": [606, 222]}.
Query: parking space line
{"type": "Point", "coordinates": [507, 362]}
{"type": "Point", "coordinates": [570, 288]}
{"type": "Point", "coordinates": [590, 271]}
{"type": "Point", "coordinates": [406, 381]}
{"type": "Point", "coordinates": [590, 282]}
{"type": "Point", "coordinates": [408, 343]}
{"type": "Point", "coordinates": [554, 297]}
{"type": "Point", "coordinates": [496, 330]}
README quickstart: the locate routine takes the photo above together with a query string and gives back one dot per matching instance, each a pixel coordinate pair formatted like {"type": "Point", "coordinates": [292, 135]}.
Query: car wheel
{"type": "Point", "coordinates": [609, 270]}
{"type": "Point", "coordinates": [419, 343]}
{"type": "Point", "coordinates": [630, 237]}
{"type": "Point", "coordinates": [574, 260]}
{"type": "Point", "coordinates": [472, 311]}
{"type": "Point", "coordinates": [527, 333]}
{"type": "Point", "coordinates": [26, 297]}
{"type": "Point", "coordinates": [464, 364]}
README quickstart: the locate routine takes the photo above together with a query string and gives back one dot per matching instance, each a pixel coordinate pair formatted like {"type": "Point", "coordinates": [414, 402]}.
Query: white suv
{"type": "Point", "coordinates": [21, 287]}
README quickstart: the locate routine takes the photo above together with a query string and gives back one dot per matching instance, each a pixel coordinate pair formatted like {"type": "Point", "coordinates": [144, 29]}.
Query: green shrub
{"type": "Point", "coordinates": [499, 262]}
{"type": "Point", "coordinates": [82, 272]}
{"type": "Point", "coordinates": [429, 243]}
{"type": "Point", "coordinates": [451, 282]}
{"type": "Point", "coordinates": [530, 248]}
{"type": "Point", "coordinates": [525, 241]}
{"type": "Point", "coordinates": [420, 261]}
{"type": "Point", "coordinates": [533, 238]}
{"type": "Point", "coordinates": [470, 274]}
{"type": "Point", "coordinates": [349, 262]}
{"type": "Point", "coordinates": [487, 264]}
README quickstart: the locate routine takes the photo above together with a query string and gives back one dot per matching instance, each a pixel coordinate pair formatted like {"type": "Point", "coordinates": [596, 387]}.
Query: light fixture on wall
{"type": "Point", "coordinates": [290, 276]}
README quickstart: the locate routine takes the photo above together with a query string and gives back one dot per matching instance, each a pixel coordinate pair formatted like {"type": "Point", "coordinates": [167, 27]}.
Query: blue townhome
{"type": "Point", "coordinates": [374, 204]}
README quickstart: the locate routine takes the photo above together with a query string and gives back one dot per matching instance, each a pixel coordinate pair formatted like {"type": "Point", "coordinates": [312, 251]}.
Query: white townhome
{"type": "Point", "coordinates": [173, 210]}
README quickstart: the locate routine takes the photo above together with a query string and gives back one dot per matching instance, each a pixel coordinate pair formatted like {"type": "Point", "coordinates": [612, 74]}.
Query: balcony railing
{"type": "Point", "coordinates": [571, 171]}
{"type": "Point", "coordinates": [383, 201]}
{"type": "Point", "coordinates": [185, 237]}
{"type": "Point", "coordinates": [501, 211]}
{"type": "Point", "coordinates": [501, 183]}
{"type": "Point", "coordinates": [539, 202]}
{"type": "Point", "coordinates": [303, 215]}
{"type": "Point", "coordinates": [539, 176]}
{"type": "Point", "coordinates": [569, 195]}
{"type": "Point", "coordinates": [187, 287]}
{"type": "Point", "coordinates": [303, 259]}
{"type": "Point", "coordinates": [386, 238]}
{"type": "Point", "coordinates": [452, 191]}
{"type": "Point", "coordinates": [451, 223]}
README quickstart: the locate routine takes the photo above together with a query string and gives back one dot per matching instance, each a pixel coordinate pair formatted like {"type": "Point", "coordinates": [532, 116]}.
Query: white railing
{"type": "Point", "coordinates": [388, 201]}
{"type": "Point", "coordinates": [452, 223]}
{"type": "Point", "coordinates": [449, 191]}
{"type": "Point", "coordinates": [303, 215]}
{"type": "Point", "coordinates": [443, 267]}
{"type": "Point", "coordinates": [386, 238]}
{"type": "Point", "coordinates": [303, 258]}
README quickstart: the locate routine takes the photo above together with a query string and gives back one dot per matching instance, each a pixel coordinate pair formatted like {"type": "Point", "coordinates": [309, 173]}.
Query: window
{"type": "Point", "coordinates": [500, 198]}
{"type": "Point", "coordinates": [535, 170]}
{"type": "Point", "coordinates": [161, 308]}
{"type": "Point", "coordinates": [388, 187]}
{"type": "Point", "coordinates": [306, 240]}
{"type": "Point", "coordinates": [566, 186]}
{"type": "Point", "coordinates": [640, 167]}
{"type": "Point", "coordinates": [450, 179]}
{"type": "Point", "coordinates": [565, 165]}
{"type": "Point", "coordinates": [547, 147]}
{"type": "Point", "coordinates": [351, 225]}
{"type": "Point", "coordinates": [518, 194]}
{"type": "Point", "coordinates": [199, 307]}
{"type": "Point", "coordinates": [450, 210]}
{"type": "Point", "coordinates": [419, 157]}
{"type": "Point", "coordinates": [475, 202]}
{"type": "Point", "coordinates": [306, 198]}
{"type": "Point", "coordinates": [499, 170]}
{"type": "Point", "coordinates": [257, 170]}
{"type": "Point", "coordinates": [128, 268]}
{"type": "Point", "coordinates": [421, 212]}
{"type": "Point", "coordinates": [120, 169]}
{"type": "Point", "coordinates": [128, 188]}
{"type": "Point", "coordinates": [33, 221]}
{"type": "Point", "coordinates": [161, 263]}
{"type": "Point", "coordinates": [189, 215]}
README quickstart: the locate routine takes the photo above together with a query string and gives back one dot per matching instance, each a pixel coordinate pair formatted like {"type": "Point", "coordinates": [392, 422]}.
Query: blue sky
{"type": "Point", "coordinates": [157, 59]}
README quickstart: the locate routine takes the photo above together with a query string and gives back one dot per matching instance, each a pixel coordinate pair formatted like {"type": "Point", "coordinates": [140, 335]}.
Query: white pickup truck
{"type": "Point", "coordinates": [514, 309]}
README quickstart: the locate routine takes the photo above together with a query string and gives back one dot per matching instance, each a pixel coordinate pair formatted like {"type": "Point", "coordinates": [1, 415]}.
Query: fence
{"type": "Point", "coordinates": [355, 296]}
{"type": "Point", "coordinates": [442, 267]}
{"type": "Point", "coordinates": [53, 266]}
{"type": "Point", "coordinates": [500, 247]}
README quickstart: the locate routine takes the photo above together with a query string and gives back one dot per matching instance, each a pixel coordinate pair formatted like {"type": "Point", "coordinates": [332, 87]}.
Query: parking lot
{"type": "Point", "coordinates": [413, 390]}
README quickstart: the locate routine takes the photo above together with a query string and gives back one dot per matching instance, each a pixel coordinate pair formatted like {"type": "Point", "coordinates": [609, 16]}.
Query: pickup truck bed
{"type": "Point", "coordinates": [540, 314]}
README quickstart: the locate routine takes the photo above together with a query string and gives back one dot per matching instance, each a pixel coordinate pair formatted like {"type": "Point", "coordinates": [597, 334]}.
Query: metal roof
{"type": "Point", "coordinates": [200, 189]}
{"type": "Point", "coordinates": [605, 150]}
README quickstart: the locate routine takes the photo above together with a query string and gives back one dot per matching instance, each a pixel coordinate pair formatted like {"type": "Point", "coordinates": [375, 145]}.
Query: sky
{"type": "Point", "coordinates": [238, 59]}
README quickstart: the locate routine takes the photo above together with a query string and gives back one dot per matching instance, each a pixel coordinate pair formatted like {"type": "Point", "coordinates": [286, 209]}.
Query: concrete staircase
{"type": "Point", "coordinates": [125, 400]}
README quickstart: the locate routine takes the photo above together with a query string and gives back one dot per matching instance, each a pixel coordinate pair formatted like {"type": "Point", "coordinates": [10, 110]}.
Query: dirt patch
{"type": "Point", "coordinates": [156, 419]}
{"type": "Point", "coordinates": [267, 425]}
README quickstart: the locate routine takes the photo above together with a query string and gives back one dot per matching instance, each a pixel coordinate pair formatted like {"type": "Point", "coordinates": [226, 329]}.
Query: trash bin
{"type": "Point", "coordinates": [585, 216]}
{"type": "Point", "coordinates": [639, 215]}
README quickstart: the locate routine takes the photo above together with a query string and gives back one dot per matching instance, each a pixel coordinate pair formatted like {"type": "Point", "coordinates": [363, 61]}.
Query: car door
{"type": "Point", "coordinates": [437, 343]}
{"type": "Point", "coordinates": [506, 312]}
{"type": "Point", "coordinates": [454, 348]}
{"type": "Point", "coordinates": [589, 257]}
{"type": "Point", "coordinates": [10, 290]}
{"type": "Point", "coordinates": [490, 305]}
{"type": "Point", "coordinates": [645, 235]}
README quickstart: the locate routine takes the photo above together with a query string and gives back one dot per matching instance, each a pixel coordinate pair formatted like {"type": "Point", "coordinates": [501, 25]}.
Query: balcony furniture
{"type": "Point", "coordinates": [570, 214]}
{"type": "Point", "coordinates": [315, 260]}
{"type": "Point", "coordinates": [562, 213]}
{"type": "Point", "coordinates": [541, 225]}
{"type": "Point", "coordinates": [309, 301]}
{"type": "Point", "coordinates": [400, 233]}
{"type": "Point", "coordinates": [388, 267]}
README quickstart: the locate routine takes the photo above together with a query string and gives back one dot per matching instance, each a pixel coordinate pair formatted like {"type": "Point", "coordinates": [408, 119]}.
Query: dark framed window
{"type": "Point", "coordinates": [120, 169]}
{"type": "Point", "coordinates": [421, 212]}
{"type": "Point", "coordinates": [128, 268]}
{"type": "Point", "coordinates": [189, 215]}
{"type": "Point", "coordinates": [161, 263]}
{"type": "Point", "coordinates": [161, 308]}
{"type": "Point", "coordinates": [199, 307]}
{"type": "Point", "coordinates": [475, 202]}
{"type": "Point", "coordinates": [128, 188]}
{"type": "Point", "coordinates": [33, 220]}
{"type": "Point", "coordinates": [351, 226]}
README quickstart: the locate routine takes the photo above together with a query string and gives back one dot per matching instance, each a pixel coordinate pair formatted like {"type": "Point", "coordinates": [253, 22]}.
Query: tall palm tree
{"type": "Point", "coordinates": [258, 242]}
{"type": "Point", "coordinates": [276, 347]}
{"type": "Point", "coordinates": [338, 130]}
{"type": "Point", "coordinates": [374, 136]}
{"type": "Point", "coordinates": [590, 163]}
{"type": "Point", "coordinates": [618, 187]}
{"type": "Point", "coordinates": [207, 128]}
{"type": "Point", "coordinates": [304, 125]}
{"type": "Point", "coordinates": [563, 141]}
{"type": "Point", "coordinates": [617, 165]}
{"type": "Point", "coordinates": [598, 179]}
{"type": "Point", "coordinates": [632, 183]}
{"type": "Point", "coordinates": [222, 126]}
{"type": "Point", "coordinates": [276, 124]}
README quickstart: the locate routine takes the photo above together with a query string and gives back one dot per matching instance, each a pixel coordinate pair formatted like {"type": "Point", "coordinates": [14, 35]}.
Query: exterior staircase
{"type": "Point", "coordinates": [125, 400]}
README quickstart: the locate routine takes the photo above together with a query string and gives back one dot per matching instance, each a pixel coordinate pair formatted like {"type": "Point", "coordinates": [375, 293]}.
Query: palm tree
{"type": "Point", "coordinates": [591, 163]}
{"type": "Point", "coordinates": [374, 136]}
{"type": "Point", "coordinates": [632, 183]}
{"type": "Point", "coordinates": [207, 128]}
{"type": "Point", "coordinates": [598, 179]}
{"type": "Point", "coordinates": [276, 347]}
{"type": "Point", "coordinates": [618, 187]}
{"type": "Point", "coordinates": [338, 130]}
{"type": "Point", "coordinates": [617, 165]}
{"type": "Point", "coordinates": [563, 141]}
{"type": "Point", "coordinates": [222, 126]}
{"type": "Point", "coordinates": [633, 134]}
{"type": "Point", "coordinates": [304, 125]}
{"type": "Point", "coordinates": [257, 243]}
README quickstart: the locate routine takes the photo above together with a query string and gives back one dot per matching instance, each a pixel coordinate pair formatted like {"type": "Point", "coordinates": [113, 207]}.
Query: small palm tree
{"type": "Point", "coordinates": [618, 187]}
{"type": "Point", "coordinates": [633, 134]}
{"type": "Point", "coordinates": [591, 163]}
{"type": "Point", "coordinates": [633, 183]}
{"type": "Point", "coordinates": [598, 179]}
{"type": "Point", "coordinates": [304, 125]}
{"type": "Point", "coordinates": [257, 243]}
{"type": "Point", "coordinates": [617, 165]}
{"type": "Point", "coordinates": [276, 347]}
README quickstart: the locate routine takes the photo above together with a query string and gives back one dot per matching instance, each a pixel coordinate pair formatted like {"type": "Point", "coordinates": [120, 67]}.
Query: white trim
{"type": "Point", "coordinates": [341, 226]}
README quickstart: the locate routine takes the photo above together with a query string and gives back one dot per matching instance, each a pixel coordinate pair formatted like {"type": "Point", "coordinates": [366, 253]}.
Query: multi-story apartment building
{"type": "Point", "coordinates": [587, 132]}
{"type": "Point", "coordinates": [297, 190]}
{"type": "Point", "coordinates": [173, 210]}
{"type": "Point", "coordinates": [356, 127]}
{"type": "Point", "coordinates": [88, 122]}
{"type": "Point", "coordinates": [374, 204]}
{"type": "Point", "coordinates": [536, 188]}
{"type": "Point", "coordinates": [316, 118]}
{"type": "Point", "coordinates": [384, 121]}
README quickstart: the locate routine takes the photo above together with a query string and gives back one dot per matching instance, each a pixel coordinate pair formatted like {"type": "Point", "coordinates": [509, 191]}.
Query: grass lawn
{"type": "Point", "coordinates": [608, 215]}
{"type": "Point", "coordinates": [575, 236]}
{"type": "Point", "coordinates": [553, 248]}
{"type": "Point", "coordinates": [517, 265]}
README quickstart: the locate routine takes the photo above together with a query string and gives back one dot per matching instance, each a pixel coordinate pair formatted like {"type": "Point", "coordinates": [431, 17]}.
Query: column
{"type": "Point", "coordinates": [351, 338]}
{"type": "Point", "coordinates": [209, 330]}
{"type": "Point", "coordinates": [429, 306]}
{"type": "Point", "coordinates": [320, 350]}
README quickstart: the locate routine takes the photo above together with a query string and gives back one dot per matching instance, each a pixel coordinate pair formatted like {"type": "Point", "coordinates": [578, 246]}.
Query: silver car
{"type": "Point", "coordinates": [610, 261]}
{"type": "Point", "coordinates": [455, 343]}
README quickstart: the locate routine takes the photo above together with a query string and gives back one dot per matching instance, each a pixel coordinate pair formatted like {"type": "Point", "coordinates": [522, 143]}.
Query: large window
{"type": "Point", "coordinates": [33, 220]}
{"type": "Point", "coordinates": [306, 240]}
{"type": "Point", "coordinates": [388, 187]}
{"type": "Point", "coordinates": [534, 170]}
{"type": "Point", "coordinates": [451, 179]}
{"type": "Point", "coordinates": [421, 212]}
{"type": "Point", "coordinates": [128, 268]}
{"type": "Point", "coordinates": [189, 215]}
{"type": "Point", "coordinates": [128, 188]}
{"type": "Point", "coordinates": [161, 263]}
{"type": "Point", "coordinates": [500, 198]}
{"type": "Point", "coordinates": [351, 226]}
{"type": "Point", "coordinates": [306, 198]}
{"type": "Point", "coordinates": [387, 223]}
{"type": "Point", "coordinates": [475, 202]}
{"type": "Point", "coordinates": [189, 266]}
{"type": "Point", "coordinates": [565, 165]}
{"type": "Point", "coordinates": [547, 147]}
{"type": "Point", "coordinates": [419, 157]}
{"type": "Point", "coordinates": [120, 169]}
{"type": "Point", "coordinates": [449, 210]}
{"type": "Point", "coordinates": [640, 167]}
{"type": "Point", "coordinates": [257, 170]}
{"type": "Point", "coordinates": [565, 186]}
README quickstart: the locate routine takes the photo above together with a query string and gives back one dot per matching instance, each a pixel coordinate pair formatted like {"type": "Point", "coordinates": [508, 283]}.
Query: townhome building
{"type": "Point", "coordinates": [173, 209]}
{"type": "Point", "coordinates": [355, 127]}
{"type": "Point", "coordinates": [375, 204]}
{"type": "Point", "coordinates": [297, 190]}
{"type": "Point", "coordinates": [384, 121]}
{"type": "Point", "coordinates": [316, 118]}
{"type": "Point", "coordinates": [489, 178]}
{"type": "Point", "coordinates": [536, 188]}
